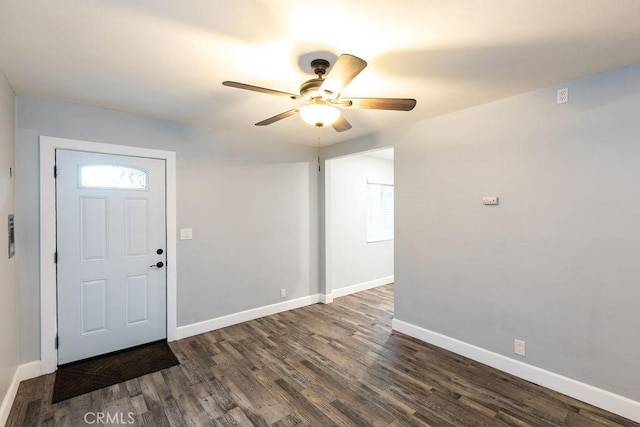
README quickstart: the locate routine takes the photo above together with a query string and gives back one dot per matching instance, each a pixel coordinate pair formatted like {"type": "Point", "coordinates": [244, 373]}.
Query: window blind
{"type": "Point", "coordinates": [379, 212]}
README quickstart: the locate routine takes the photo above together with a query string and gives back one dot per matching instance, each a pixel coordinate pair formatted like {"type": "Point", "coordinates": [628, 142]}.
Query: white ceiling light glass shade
{"type": "Point", "coordinates": [319, 114]}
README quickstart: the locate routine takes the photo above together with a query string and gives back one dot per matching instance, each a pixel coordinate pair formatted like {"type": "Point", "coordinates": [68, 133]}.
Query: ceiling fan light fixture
{"type": "Point", "coordinates": [322, 95]}
{"type": "Point", "coordinates": [319, 114]}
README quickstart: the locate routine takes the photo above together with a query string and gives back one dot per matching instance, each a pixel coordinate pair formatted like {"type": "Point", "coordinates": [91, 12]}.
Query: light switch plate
{"type": "Point", "coordinates": [186, 234]}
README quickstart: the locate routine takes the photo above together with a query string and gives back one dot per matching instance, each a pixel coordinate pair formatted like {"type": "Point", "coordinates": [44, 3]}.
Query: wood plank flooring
{"type": "Point", "coordinates": [321, 365]}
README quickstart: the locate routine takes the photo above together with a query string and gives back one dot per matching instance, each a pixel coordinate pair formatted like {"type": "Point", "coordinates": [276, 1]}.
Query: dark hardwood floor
{"type": "Point", "coordinates": [336, 364]}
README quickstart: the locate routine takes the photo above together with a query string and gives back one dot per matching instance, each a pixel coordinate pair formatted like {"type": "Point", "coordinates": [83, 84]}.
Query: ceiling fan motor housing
{"type": "Point", "coordinates": [311, 88]}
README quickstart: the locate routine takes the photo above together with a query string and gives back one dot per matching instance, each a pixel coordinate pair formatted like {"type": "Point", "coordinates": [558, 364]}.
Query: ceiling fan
{"type": "Point", "coordinates": [322, 95]}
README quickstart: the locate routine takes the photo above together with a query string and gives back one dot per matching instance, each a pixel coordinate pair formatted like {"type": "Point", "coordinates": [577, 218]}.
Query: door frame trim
{"type": "Point", "coordinates": [48, 280]}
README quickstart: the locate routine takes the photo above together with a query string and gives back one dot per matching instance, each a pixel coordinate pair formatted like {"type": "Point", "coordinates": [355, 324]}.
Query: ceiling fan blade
{"type": "Point", "coordinates": [277, 117]}
{"type": "Point", "coordinates": [341, 124]}
{"type": "Point", "coordinates": [259, 89]}
{"type": "Point", "coordinates": [346, 68]}
{"type": "Point", "coordinates": [399, 104]}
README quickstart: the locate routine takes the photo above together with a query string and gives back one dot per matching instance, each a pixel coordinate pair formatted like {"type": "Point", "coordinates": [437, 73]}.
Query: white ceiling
{"type": "Point", "coordinates": [167, 59]}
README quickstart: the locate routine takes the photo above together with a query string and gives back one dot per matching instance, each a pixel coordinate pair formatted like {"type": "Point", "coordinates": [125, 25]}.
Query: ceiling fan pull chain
{"type": "Point", "coordinates": [319, 130]}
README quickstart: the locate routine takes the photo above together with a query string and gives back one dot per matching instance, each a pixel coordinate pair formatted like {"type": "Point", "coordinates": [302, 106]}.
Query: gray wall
{"type": "Point", "coordinates": [557, 262]}
{"type": "Point", "coordinates": [8, 298]}
{"type": "Point", "coordinates": [354, 261]}
{"type": "Point", "coordinates": [252, 206]}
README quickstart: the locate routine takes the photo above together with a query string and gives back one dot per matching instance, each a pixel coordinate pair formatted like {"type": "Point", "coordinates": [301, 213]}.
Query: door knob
{"type": "Point", "coordinates": [159, 264]}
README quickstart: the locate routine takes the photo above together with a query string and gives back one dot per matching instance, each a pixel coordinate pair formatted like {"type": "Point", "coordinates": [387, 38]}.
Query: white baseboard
{"type": "Point", "coordinates": [244, 316]}
{"type": "Point", "coordinates": [23, 372]}
{"type": "Point", "coordinates": [592, 395]}
{"type": "Point", "coordinates": [347, 290]}
{"type": "Point", "coordinates": [326, 298]}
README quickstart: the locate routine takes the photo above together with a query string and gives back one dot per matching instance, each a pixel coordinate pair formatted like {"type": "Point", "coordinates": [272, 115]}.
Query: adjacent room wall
{"type": "Point", "coordinates": [8, 298]}
{"type": "Point", "coordinates": [556, 262]}
{"type": "Point", "coordinates": [353, 261]}
{"type": "Point", "coordinates": [252, 206]}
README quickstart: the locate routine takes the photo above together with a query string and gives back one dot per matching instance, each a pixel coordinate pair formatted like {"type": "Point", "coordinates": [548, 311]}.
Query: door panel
{"type": "Point", "coordinates": [93, 228]}
{"type": "Point", "coordinates": [110, 223]}
{"type": "Point", "coordinates": [137, 298]}
{"type": "Point", "coordinates": [137, 227]}
{"type": "Point", "coordinates": [94, 306]}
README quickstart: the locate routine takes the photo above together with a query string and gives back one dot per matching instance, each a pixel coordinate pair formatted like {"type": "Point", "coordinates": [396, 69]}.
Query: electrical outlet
{"type": "Point", "coordinates": [563, 95]}
{"type": "Point", "coordinates": [518, 347]}
{"type": "Point", "coordinates": [283, 293]}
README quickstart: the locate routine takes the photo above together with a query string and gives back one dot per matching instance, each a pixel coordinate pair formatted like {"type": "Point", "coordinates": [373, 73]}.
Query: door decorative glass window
{"type": "Point", "coordinates": [112, 176]}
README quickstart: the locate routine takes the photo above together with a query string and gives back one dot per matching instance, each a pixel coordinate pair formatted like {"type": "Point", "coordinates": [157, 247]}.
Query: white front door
{"type": "Point", "coordinates": [111, 242]}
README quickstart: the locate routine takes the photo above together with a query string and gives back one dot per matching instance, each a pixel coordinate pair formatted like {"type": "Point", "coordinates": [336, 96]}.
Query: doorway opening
{"type": "Point", "coordinates": [359, 225]}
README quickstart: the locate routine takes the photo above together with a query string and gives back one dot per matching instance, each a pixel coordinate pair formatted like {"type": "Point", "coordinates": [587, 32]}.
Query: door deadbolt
{"type": "Point", "coordinates": [159, 251]}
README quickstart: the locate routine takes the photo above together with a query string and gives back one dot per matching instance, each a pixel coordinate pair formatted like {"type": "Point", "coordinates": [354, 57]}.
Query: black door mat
{"type": "Point", "coordinates": [92, 374]}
